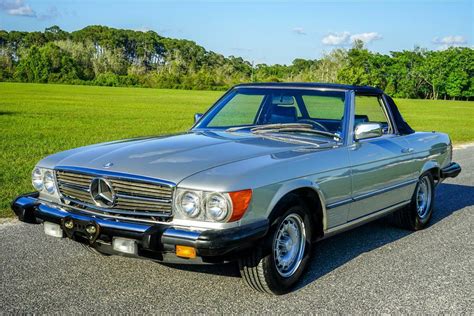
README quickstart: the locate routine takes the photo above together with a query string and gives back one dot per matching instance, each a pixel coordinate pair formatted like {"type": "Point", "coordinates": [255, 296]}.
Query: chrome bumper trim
{"type": "Point", "coordinates": [42, 209]}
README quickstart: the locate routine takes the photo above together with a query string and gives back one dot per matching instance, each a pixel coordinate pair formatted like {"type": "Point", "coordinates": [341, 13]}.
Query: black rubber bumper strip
{"type": "Point", "coordinates": [222, 241]}
{"type": "Point", "coordinates": [25, 212]}
{"type": "Point", "coordinates": [451, 171]}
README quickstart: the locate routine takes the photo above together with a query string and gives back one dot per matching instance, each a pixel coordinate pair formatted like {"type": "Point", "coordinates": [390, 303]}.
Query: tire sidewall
{"type": "Point", "coordinates": [417, 221]}
{"type": "Point", "coordinates": [278, 283]}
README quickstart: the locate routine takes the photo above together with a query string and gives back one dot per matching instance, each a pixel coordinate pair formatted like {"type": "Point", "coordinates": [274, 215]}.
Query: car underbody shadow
{"type": "Point", "coordinates": [224, 269]}
{"type": "Point", "coordinates": [334, 252]}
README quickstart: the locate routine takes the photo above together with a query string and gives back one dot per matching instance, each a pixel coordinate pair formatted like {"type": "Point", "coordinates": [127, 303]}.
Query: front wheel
{"type": "Point", "coordinates": [418, 213]}
{"type": "Point", "coordinates": [275, 266]}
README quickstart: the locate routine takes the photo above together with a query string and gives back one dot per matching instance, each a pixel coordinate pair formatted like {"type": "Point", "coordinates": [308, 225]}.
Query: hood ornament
{"type": "Point", "coordinates": [108, 165]}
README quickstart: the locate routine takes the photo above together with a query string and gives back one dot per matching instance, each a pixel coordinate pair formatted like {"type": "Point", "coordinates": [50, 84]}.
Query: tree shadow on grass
{"type": "Point", "coordinates": [8, 113]}
{"type": "Point", "coordinates": [340, 249]}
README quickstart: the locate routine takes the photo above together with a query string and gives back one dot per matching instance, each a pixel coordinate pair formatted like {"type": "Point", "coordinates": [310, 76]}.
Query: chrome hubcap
{"type": "Point", "coordinates": [289, 245]}
{"type": "Point", "coordinates": [423, 197]}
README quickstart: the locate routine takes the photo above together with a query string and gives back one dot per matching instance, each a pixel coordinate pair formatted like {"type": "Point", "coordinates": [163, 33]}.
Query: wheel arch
{"type": "Point", "coordinates": [433, 167]}
{"type": "Point", "coordinates": [311, 194]}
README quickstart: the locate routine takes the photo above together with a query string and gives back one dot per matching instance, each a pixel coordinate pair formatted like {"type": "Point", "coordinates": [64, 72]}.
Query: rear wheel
{"type": "Point", "coordinates": [418, 214]}
{"type": "Point", "coordinates": [277, 264]}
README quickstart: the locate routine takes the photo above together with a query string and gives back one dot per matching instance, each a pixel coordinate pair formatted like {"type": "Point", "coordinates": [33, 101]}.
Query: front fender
{"type": "Point", "coordinates": [293, 185]}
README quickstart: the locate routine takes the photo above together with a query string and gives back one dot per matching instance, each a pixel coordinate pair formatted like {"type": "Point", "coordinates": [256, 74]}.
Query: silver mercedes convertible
{"type": "Point", "coordinates": [267, 171]}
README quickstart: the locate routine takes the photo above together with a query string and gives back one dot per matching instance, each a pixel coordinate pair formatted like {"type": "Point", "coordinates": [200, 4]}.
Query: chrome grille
{"type": "Point", "coordinates": [135, 200]}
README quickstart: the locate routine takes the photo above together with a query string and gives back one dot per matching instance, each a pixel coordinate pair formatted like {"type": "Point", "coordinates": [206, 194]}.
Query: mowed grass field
{"type": "Point", "coordinates": [38, 120]}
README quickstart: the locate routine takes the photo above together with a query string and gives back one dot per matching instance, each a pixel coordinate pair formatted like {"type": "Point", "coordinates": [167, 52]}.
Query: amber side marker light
{"type": "Point", "coordinates": [185, 252]}
{"type": "Point", "coordinates": [240, 203]}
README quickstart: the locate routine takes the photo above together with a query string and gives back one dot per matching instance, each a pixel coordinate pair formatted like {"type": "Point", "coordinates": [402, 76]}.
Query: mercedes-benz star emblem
{"type": "Point", "coordinates": [102, 192]}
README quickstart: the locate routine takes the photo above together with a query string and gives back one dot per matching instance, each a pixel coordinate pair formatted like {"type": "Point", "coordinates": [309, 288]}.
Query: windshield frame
{"type": "Point", "coordinates": [201, 125]}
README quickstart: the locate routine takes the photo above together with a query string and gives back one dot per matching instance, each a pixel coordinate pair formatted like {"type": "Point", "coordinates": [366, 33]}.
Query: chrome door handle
{"type": "Point", "coordinates": [407, 150]}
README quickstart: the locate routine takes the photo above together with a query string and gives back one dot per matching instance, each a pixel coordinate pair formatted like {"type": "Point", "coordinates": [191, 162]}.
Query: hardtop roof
{"type": "Point", "coordinates": [362, 89]}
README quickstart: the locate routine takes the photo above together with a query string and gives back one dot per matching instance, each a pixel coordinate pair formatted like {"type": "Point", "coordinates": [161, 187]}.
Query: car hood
{"type": "Point", "coordinates": [176, 157]}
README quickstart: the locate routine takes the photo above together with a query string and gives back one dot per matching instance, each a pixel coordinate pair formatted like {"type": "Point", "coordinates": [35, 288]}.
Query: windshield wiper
{"type": "Point", "coordinates": [266, 126]}
{"type": "Point", "coordinates": [289, 128]}
{"type": "Point", "coordinates": [238, 128]}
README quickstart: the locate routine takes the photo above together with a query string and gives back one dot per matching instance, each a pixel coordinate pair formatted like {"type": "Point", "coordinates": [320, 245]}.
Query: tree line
{"type": "Point", "coordinates": [99, 55]}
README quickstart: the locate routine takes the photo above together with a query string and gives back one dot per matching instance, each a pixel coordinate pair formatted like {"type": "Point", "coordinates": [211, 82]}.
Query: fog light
{"type": "Point", "coordinates": [91, 230]}
{"type": "Point", "coordinates": [52, 229]}
{"type": "Point", "coordinates": [124, 245]}
{"type": "Point", "coordinates": [69, 224]}
{"type": "Point", "coordinates": [186, 252]}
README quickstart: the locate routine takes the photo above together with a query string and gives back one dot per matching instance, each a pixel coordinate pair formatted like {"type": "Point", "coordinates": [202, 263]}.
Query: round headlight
{"type": "Point", "coordinates": [189, 204]}
{"type": "Point", "coordinates": [37, 179]}
{"type": "Point", "coordinates": [217, 207]}
{"type": "Point", "coordinates": [48, 181]}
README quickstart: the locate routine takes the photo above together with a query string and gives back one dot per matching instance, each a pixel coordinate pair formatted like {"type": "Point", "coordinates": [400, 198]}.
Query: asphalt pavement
{"type": "Point", "coordinates": [375, 268]}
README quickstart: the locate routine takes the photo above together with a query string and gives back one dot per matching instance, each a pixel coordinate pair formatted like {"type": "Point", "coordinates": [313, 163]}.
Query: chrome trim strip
{"type": "Point", "coordinates": [362, 220]}
{"type": "Point", "coordinates": [74, 186]}
{"type": "Point", "coordinates": [140, 198]}
{"type": "Point", "coordinates": [164, 214]}
{"type": "Point", "coordinates": [349, 118]}
{"type": "Point", "coordinates": [109, 217]}
{"type": "Point", "coordinates": [339, 203]}
{"type": "Point", "coordinates": [384, 190]}
{"type": "Point", "coordinates": [181, 234]}
{"type": "Point", "coordinates": [60, 213]}
{"type": "Point", "coordinates": [370, 194]}
{"type": "Point", "coordinates": [116, 175]}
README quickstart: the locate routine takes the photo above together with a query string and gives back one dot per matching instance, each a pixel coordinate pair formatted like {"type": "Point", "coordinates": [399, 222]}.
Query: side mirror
{"type": "Point", "coordinates": [367, 130]}
{"type": "Point", "coordinates": [197, 117]}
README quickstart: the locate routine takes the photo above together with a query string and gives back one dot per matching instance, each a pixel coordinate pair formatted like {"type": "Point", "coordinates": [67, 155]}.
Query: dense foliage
{"type": "Point", "coordinates": [99, 55]}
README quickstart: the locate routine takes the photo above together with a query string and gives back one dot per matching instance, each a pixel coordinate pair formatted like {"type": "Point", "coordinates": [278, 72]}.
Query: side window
{"type": "Point", "coordinates": [324, 107]}
{"type": "Point", "coordinates": [370, 109]}
{"type": "Point", "coordinates": [241, 110]}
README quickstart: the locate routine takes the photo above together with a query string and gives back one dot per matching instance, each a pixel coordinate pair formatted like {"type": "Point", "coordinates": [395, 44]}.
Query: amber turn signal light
{"type": "Point", "coordinates": [240, 203]}
{"type": "Point", "coordinates": [185, 252]}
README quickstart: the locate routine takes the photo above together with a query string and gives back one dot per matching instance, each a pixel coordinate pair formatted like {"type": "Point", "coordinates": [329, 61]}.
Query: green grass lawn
{"type": "Point", "coordinates": [38, 120]}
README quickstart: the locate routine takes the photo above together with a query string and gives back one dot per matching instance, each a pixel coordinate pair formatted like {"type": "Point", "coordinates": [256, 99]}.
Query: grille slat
{"type": "Point", "coordinates": [130, 204]}
{"type": "Point", "coordinates": [140, 191]}
{"type": "Point", "coordinates": [141, 185]}
{"type": "Point", "coordinates": [75, 194]}
{"type": "Point", "coordinates": [134, 199]}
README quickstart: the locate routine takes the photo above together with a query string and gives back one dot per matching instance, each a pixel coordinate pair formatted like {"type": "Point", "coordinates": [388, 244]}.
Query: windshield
{"type": "Point", "coordinates": [247, 108]}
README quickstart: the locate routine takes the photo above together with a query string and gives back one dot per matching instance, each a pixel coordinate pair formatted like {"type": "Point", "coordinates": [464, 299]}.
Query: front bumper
{"type": "Point", "coordinates": [450, 171]}
{"type": "Point", "coordinates": [155, 241]}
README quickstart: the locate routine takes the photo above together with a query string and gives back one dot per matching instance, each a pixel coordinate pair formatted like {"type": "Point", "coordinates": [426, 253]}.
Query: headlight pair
{"type": "Point", "coordinates": [212, 206]}
{"type": "Point", "coordinates": [43, 180]}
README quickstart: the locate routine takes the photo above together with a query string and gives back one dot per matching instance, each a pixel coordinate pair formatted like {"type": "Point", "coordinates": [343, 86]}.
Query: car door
{"type": "Point", "coordinates": [381, 177]}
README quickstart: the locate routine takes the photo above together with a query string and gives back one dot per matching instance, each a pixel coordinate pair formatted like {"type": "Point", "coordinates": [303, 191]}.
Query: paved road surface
{"type": "Point", "coordinates": [374, 268]}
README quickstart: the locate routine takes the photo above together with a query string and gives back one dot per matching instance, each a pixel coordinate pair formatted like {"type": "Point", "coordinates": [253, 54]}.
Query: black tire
{"type": "Point", "coordinates": [259, 269]}
{"type": "Point", "coordinates": [409, 217]}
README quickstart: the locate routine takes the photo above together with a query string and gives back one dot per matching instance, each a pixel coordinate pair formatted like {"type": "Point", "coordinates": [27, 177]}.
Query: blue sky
{"type": "Point", "coordinates": [263, 31]}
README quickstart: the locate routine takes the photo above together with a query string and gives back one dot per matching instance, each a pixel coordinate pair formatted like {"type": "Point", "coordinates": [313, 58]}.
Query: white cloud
{"type": "Point", "coordinates": [299, 31]}
{"type": "Point", "coordinates": [345, 38]}
{"type": "Point", "coordinates": [366, 37]}
{"type": "Point", "coordinates": [450, 41]}
{"type": "Point", "coordinates": [336, 39]}
{"type": "Point", "coordinates": [17, 7]}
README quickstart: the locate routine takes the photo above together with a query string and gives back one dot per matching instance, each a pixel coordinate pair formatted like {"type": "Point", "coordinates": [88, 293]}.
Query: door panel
{"type": "Point", "coordinates": [380, 174]}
